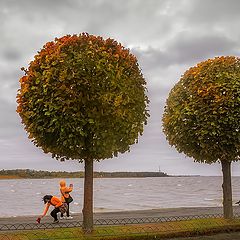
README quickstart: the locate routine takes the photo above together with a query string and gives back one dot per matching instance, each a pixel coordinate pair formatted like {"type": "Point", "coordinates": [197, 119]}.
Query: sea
{"type": "Point", "coordinates": [20, 197]}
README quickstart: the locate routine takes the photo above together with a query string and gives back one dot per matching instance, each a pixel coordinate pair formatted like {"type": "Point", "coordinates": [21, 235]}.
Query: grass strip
{"type": "Point", "coordinates": [127, 232]}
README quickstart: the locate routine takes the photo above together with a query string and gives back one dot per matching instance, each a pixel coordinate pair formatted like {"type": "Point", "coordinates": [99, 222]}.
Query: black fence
{"type": "Point", "coordinates": [103, 222]}
{"type": "Point", "coordinates": [151, 227]}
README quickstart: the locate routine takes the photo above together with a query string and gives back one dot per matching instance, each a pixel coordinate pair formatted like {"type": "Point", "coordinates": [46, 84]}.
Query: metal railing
{"type": "Point", "coordinates": [117, 228]}
{"type": "Point", "coordinates": [103, 222]}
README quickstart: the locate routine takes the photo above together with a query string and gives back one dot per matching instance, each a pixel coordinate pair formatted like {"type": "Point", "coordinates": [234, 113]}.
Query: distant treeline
{"type": "Point", "coordinates": [28, 173]}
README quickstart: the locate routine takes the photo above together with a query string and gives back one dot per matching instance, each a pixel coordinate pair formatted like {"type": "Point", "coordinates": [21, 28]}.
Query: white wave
{"type": "Point", "coordinates": [208, 199]}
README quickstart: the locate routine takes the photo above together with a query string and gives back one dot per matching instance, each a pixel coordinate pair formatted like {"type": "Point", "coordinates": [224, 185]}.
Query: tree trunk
{"type": "Point", "coordinates": [227, 190]}
{"type": "Point", "coordinates": [88, 197]}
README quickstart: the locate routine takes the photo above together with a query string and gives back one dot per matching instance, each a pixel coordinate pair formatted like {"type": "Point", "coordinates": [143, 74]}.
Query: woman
{"type": "Point", "coordinates": [59, 206]}
{"type": "Point", "coordinates": [65, 196]}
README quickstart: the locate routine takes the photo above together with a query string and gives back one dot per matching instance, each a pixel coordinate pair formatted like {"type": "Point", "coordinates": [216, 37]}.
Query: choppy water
{"type": "Point", "coordinates": [23, 197]}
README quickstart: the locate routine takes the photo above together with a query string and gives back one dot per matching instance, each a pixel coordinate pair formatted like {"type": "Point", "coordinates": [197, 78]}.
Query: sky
{"type": "Point", "coordinates": [167, 37]}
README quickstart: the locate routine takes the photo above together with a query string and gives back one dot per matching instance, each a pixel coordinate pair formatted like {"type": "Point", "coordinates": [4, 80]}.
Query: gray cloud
{"type": "Point", "coordinates": [9, 121]}
{"type": "Point", "coordinates": [11, 55]}
{"type": "Point", "coordinates": [167, 38]}
{"type": "Point", "coordinates": [215, 11]}
{"type": "Point", "coordinates": [186, 48]}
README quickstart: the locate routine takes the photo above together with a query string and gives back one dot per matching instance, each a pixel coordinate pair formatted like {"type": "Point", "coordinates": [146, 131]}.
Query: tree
{"type": "Point", "coordinates": [83, 98]}
{"type": "Point", "coordinates": [201, 117]}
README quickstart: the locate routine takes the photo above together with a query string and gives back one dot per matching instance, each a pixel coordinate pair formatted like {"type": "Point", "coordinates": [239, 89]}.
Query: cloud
{"type": "Point", "coordinates": [186, 48]}
{"type": "Point", "coordinates": [189, 48]}
{"type": "Point", "coordinates": [9, 121]}
{"type": "Point", "coordinates": [11, 54]}
{"type": "Point", "coordinates": [167, 36]}
{"type": "Point", "coordinates": [215, 12]}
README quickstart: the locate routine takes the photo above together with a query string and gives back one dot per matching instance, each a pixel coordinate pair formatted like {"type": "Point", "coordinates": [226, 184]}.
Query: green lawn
{"type": "Point", "coordinates": [137, 231]}
{"type": "Point", "coordinates": [216, 236]}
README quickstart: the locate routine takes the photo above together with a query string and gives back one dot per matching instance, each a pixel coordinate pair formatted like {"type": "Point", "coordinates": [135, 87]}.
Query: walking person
{"type": "Point", "coordinates": [66, 197]}
{"type": "Point", "coordinates": [58, 205]}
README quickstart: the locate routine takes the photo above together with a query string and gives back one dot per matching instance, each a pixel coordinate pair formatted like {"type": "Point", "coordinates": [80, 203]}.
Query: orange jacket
{"type": "Point", "coordinates": [56, 202]}
{"type": "Point", "coordinates": [64, 190]}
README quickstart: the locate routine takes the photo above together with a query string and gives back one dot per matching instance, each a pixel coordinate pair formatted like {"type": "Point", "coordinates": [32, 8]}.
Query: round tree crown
{"type": "Point", "coordinates": [83, 97]}
{"type": "Point", "coordinates": [201, 116]}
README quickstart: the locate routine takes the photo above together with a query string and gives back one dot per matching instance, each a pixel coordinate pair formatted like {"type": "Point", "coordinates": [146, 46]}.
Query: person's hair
{"type": "Point", "coordinates": [46, 198]}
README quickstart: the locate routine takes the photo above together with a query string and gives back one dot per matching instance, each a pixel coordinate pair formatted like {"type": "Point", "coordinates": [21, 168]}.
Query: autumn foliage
{"type": "Point", "coordinates": [83, 97]}
{"type": "Point", "coordinates": [201, 116]}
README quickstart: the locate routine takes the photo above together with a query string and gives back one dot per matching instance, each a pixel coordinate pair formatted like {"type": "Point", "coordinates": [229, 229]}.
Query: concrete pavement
{"type": "Point", "coordinates": [168, 212]}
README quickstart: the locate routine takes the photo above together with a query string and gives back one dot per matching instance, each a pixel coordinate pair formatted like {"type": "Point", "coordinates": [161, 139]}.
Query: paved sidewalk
{"type": "Point", "coordinates": [169, 212]}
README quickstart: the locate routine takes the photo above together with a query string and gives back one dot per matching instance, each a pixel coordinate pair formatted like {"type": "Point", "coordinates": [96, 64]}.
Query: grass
{"type": "Point", "coordinates": [217, 236]}
{"type": "Point", "coordinates": [175, 229]}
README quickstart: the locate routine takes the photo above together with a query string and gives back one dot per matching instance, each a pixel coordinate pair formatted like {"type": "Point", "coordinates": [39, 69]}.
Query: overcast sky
{"type": "Point", "coordinates": [167, 36]}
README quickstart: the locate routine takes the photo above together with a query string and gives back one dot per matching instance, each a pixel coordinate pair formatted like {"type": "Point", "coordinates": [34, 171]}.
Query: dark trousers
{"type": "Point", "coordinates": [67, 211]}
{"type": "Point", "coordinates": [54, 213]}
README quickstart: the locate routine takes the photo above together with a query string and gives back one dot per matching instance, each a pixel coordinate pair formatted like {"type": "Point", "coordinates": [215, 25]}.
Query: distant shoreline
{"type": "Point", "coordinates": [35, 174]}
